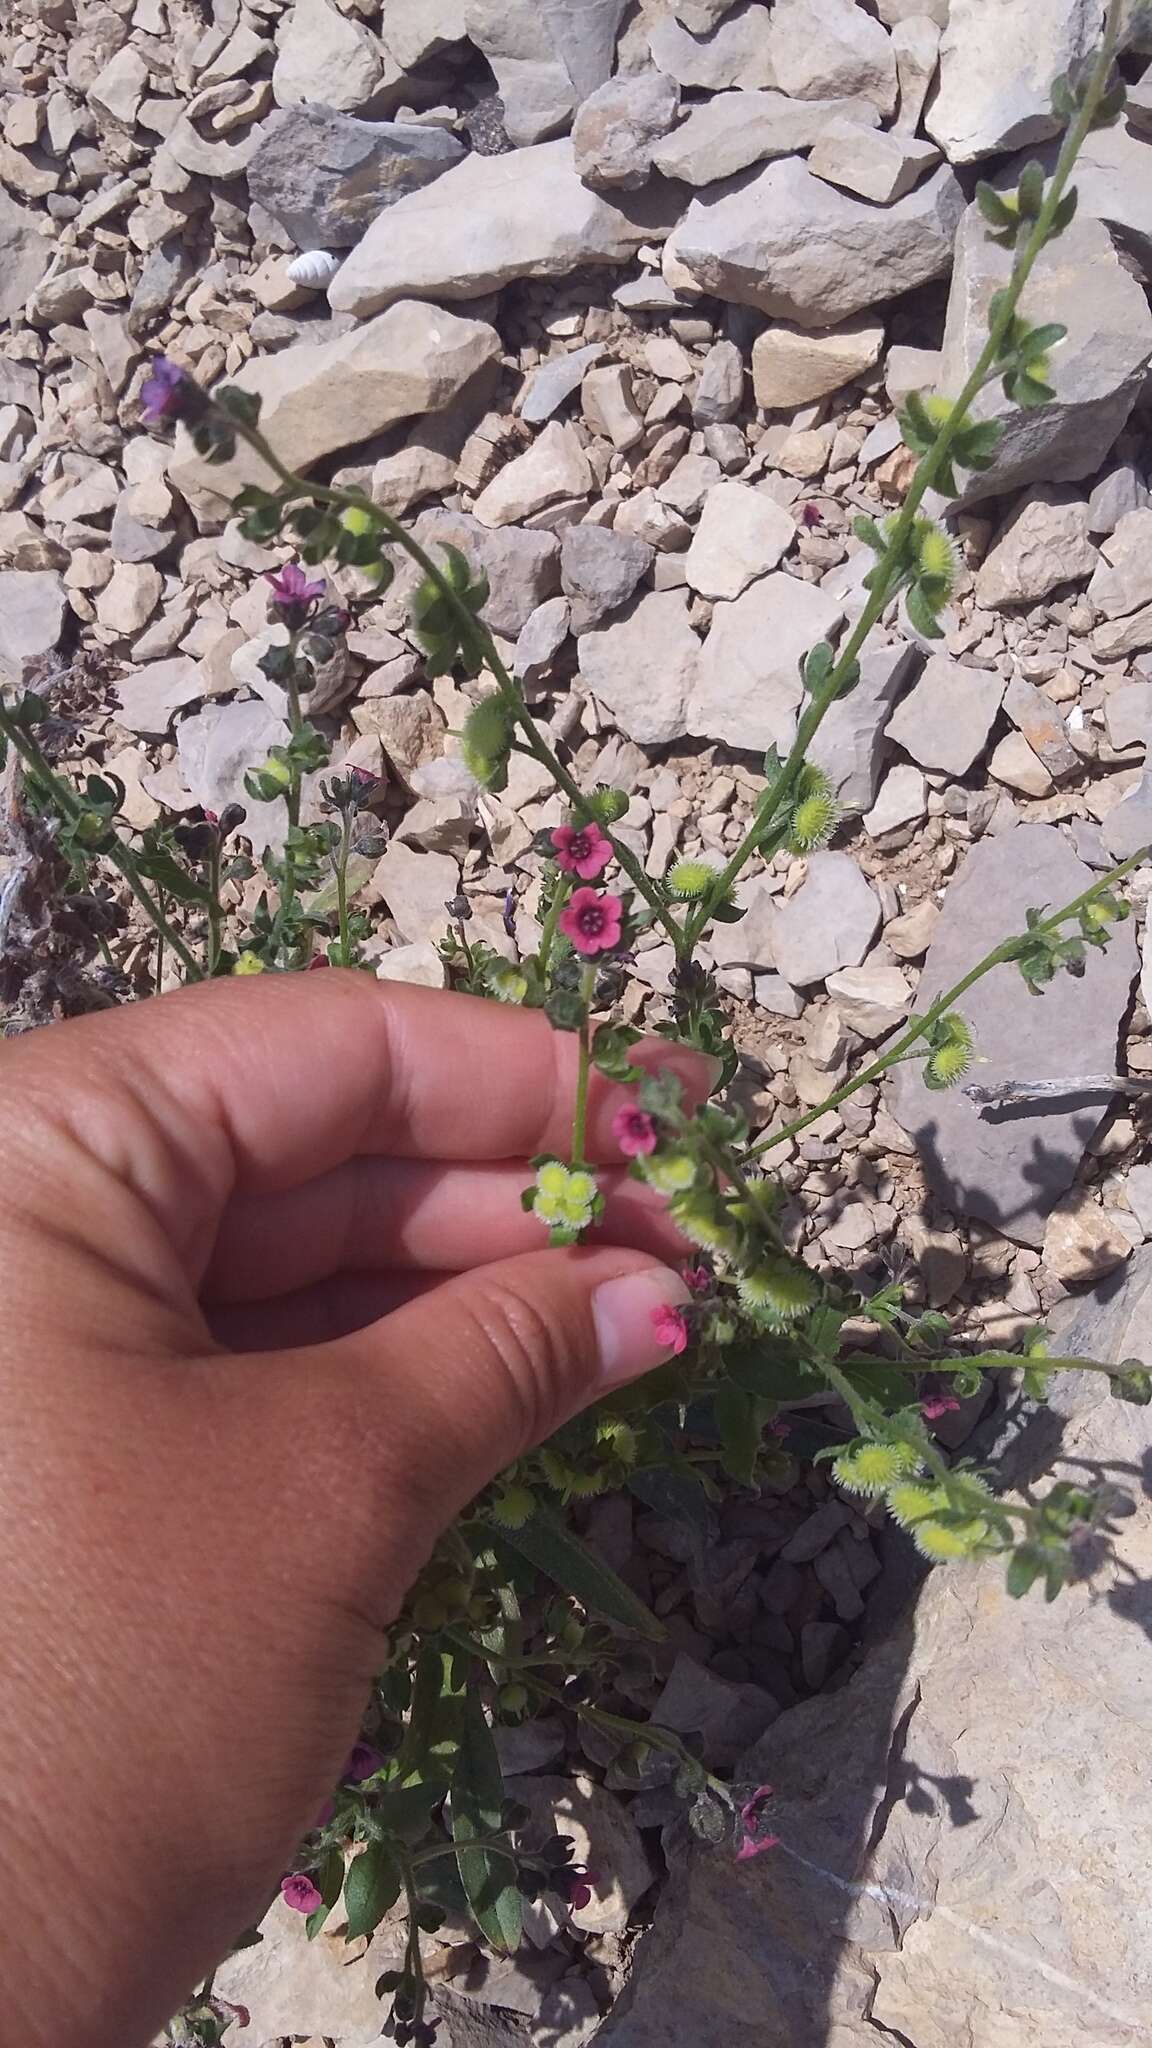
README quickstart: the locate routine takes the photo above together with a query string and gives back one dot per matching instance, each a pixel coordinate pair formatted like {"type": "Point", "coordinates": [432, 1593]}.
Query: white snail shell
{"type": "Point", "coordinates": [315, 267]}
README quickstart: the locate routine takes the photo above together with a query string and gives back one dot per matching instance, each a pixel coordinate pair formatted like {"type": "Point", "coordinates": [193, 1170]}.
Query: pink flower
{"type": "Point", "coordinates": [751, 1843]}
{"type": "Point", "coordinates": [592, 922]}
{"type": "Point", "coordinates": [634, 1132]}
{"type": "Point", "coordinates": [162, 394]}
{"type": "Point", "coordinates": [290, 585]}
{"type": "Point", "coordinates": [580, 1895]}
{"type": "Point", "coordinates": [778, 1427]}
{"type": "Point", "coordinates": [697, 1279]}
{"type": "Point", "coordinates": [671, 1327]}
{"type": "Point", "coordinates": [300, 1893]}
{"type": "Point", "coordinates": [938, 1405]}
{"type": "Point", "coordinates": [364, 1762]}
{"type": "Point", "coordinates": [753, 1846]}
{"type": "Point", "coordinates": [582, 850]}
{"type": "Point", "coordinates": [811, 515]}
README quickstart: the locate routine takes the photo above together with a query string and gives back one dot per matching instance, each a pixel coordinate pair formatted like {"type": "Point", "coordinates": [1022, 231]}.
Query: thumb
{"type": "Point", "coordinates": [464, 1379]}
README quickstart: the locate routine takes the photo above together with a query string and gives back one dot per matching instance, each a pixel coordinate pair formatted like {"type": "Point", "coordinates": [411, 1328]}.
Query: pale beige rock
{"type": "Point", "coordinates": [725, 134]}
{"type": "Point", "coordinates": [805, 454]}
{"type": "Point", "coordinates": [419, 963]}
{"type": "Point", "coordinates": [742, 534]}
{"type": "Point", "coordinates": [150, 697]}
{"type": "Point", "coordinates": [878, 165]}
{"type": "Point", "coordinates": [1014, 763]}
{"type": "Point", "coordinates": [910, 935]}
{"type": "Point", "coordinates": [417, 889]}
{"type": "Point", "coordinates": [1081, 1243]}
{"type": "Point", "coordinates": [792, 367]}
{"type": "Point", "coordinates": [873, 998]}
{"type": "Point", "coordinates": [820, 48]}
{"type": "Point", "coordinates": [319, 397]}
{"type": "Point", "coordinates": [129, 598]}
{"type": "Point", "coordinates": [901, 800]}
{"type": "Point", "coordinates": [119, 88]}
{"type": "Point", "coordinates": [326, 58]}
{"type": "Point", "coordinates": [605, 1839]}
{"type": "Point", "coordinates": [998, 59]}
{"type": "Point", "coordinates": [294, 1986]}
{"type": "Point", "coordinates": [33, 607]}
{"type": "Point", "coordinates": [609, 405]}
{"type": "Point", "coordinates": [749, 687]}
{"type": "Point", "coordinates": [1044, 544]}
{"type": "Point", "coordinates": [1123, 580]}
{"type": "Point", "coordinates": [555, 467]}
{"type": "Point", "coordinates": [643, 665]}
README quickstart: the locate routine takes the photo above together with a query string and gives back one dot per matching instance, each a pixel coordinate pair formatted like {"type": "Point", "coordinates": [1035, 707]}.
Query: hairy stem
{"type": "Point", "coordinates": [584, 1071]}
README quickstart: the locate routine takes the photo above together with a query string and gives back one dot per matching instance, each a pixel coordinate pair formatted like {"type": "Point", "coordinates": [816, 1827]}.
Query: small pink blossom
{"type": "Point", "coordinates": [291, 586]}
{"type": "Point", "coordinates": [778, 1427]}
{"type": "Point", "coordinates": [363, 1763]}
{"type": "Point", "coordinates": [580, 1895]}
{"type": "Point", "coordinates": [671, 1328]}
{"type": "Point", "coordinates": [752, 1844]}
{"type": "Point", "coordinates": [937, 1405]}
{"type": "Point", "coordinates": [634, 1132]}
{"type": "Point", "coordinates": [581, 850]}
{"type": "Point", "coordinates": [163, 391]}
{"type": "Point", "coordinates": [299, 1892]}
{"type": "Point", "coordinates": [592, 922]}
{"type": "Point", "coordinates": [697, 1279]}
{"type": "Point", "coordinates": [811, 515]}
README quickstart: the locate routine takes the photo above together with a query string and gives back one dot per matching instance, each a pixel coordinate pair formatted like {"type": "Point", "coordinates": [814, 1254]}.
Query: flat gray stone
{"type": "Point", "coordinates": [1009, 1168]}
{"type": "Point", "coordinates": [734, 53]}
{"type": "Point", "coordinates": [946, 720]}
{"type": "Point", "coordinates": [643, 667]}
{"type": "Point", "coordinates": [556, 380]}
{"type": "Point", "coordinates": [742, 535]}
{"type": "Point", "coordinates": [821, 48]}
{"type": "Point", "coordinates": [1123, 579]}
{"type": "Point", "coordinates": [801, 250]}
{"type": "Point", "coordinates": [24, 255]}
{"type": "Point", "coordinates": [325, 177]}
{"type": "Point", "coordinates": [522, 567]}
{"type": "Point", "coordinates": [720, 386]}
{"type": "Point", "coordinates": [1044, 544]}
{"type": "Point", "coordinates": [600, 570]}
{"type": "Point", "coordinates": [1098, 372]}
{"type": "Point", "coordinates": [1128, 829]}
{"type": "Point", "coordinates": [486, 221]}
{"type": "Point", "coordinates": [851, 743]}
{"type": "Point", "coordinates": [829, 923]}
{"type": "Point", "coordinates": [618, 127]}
{"type": "Point", "coordinates": [725, 134]}
{"type": "Point", "coordinates": [33, 606]}
{"type": "Point", "coordinates": [726, 1716]}
{"type": "Point", "coordinates": [150, 697]}
{"type": "Point", "coordinates": [1113, 183]}
{"type": "Point", "coordinates": [749, 688]}
{"type": "Point", "coordinates": [997, 65]}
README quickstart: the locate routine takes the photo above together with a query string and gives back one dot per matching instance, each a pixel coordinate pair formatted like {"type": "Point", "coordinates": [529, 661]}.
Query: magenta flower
{"type": "Point", "coordinates": [592, 922]}
{"type": "Point", "coordinates": [582, 850]}
{"type": "Point", "coordinates": [299, 1892]}
{"type": "Point", "coordinates": [163, 392]}
{"type": "Point", "coordinates": [364, 1762]}
{"type": "Point", "coordinates": [671, 1328]}
{"type": "Point", "coordinates": [811, 515]}
{"type": "Point", "coordinates": [937, 1405]}
{"type": "Point", "coordinates": [697, 1279]}
{"type": "Point", "coordinates": [634, 1132]}
{"type": "Point", "coordinates": [290, 585]}
{"type": "Point", "coordinates": [580, 1895]}
{"type": "Point", "coordinates": [778, 1427]}
{"type": "Point", "coordinates": [751, 1843]}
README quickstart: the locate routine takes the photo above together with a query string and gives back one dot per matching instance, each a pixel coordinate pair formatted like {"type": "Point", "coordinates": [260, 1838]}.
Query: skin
{"type": "Point", "coordinates": [273, 1315]}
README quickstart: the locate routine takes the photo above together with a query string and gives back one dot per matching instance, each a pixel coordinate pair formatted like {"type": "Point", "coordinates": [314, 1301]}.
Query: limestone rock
{"type": "Point", "coordinates": [291, 1985]}
{"type": "Point", "coordinates": [725, 134]}
{"type": "Point", "coordinates": [584, 34]}
{"type": "Point", "coordinates": [998, 59]}
{"type": "Point", "coordinates": [129, 597]}
{"type": "Point", "coordinates": [850, 744]}
{"type": "Point", "coordinates": [541, 639]}
{"type": "Point", "coordinates": [617, 128]}
{"type": "Point", "coordinates": [748, 689]}
{"type": "Point", "coordinates": [326, 58]}
{"type": "Point", "coordinates": [916, 45]}
{"type": "Point", "coordinates": [417, 888]}
{"type": "Point", "coordinates": [534, 84]}
{"type": "Point", "coordinates": [735, 53]}
{"type": "Point", "coordinates": [643, 667]}
{"type": "Point", "coordinates": [610, 406]}
{"type": "Point", "coordinates": [150, 698]}
{"type": "Point", "coordinates": [1113, 183]}
{"type": "Point", "coordinates": [821, 48]}
{"type": "Point", "coordinates": [419, 29]}
{"type": "Point", "coordinates": [554, 467]}
{"type": "Point", "coordinates": [1128, 829]}
{"type": "Point", "coordinates": [872, 998]}
{"type": "Point", "coordinates": [800, 250]}
{"type": "Point", "coordinates": [1044, 544]}
{"type": "Point", "coordinates": [922, 1816]}
{"type": "Point", "coordinates": [522, 567]}
{"type": "Point", "coordinates": [1010, 1170]}
{"type": "Point", "coordinates": [726, 1716]}
{"type": "Point", "coordinates": [32, 612]}
{"type": "Point", "coordinates": [720, 386]}
{"type": "Point", "coordinates": [1013, 762]}
{"type": "Point", "coordinates": [946, 720]}
{"type": "Point", "coordinates": [556, 380]}
{"type": "Point", "coordinates": [420, 963]}
{"type": "Point", "coordinates": [829, 923]}
{"type": "Point", "coordinates": [599, 571]}
{"type": "Point", "coordinates": [1123, 581]}
{"type": "Point", "coordinates": [326, 177]}
{"type": "Point", "coordinates": [606, 1839]}
{"type": "Point", "coordinates": [1081, 1244]}
{"type": "Point", "coordinates": [1097, 372]}
{"type": "Point", "coordinates": [792, 368]}
{"type": "Point", "coordinates": [24, 256]}
{"type": "Point", "coordinates": [217, 746]}
{"type": "Point", "coordinates": [877, 166]}
{"type": "Point", "coordinates": [742, 534]}
{"type": "Point", "coordinates": [318, 397]}
{"type": "Point", "coordinates": [1042, 726]}
{"type": "Point", "coordinates": [486, 221]}
{"type": "Point", "coordinates": [901, 800]}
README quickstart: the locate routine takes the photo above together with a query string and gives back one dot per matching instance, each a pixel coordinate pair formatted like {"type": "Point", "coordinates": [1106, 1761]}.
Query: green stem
{"type": "Point", "coordinates": [584, 1071]}
{"type": "Point", "coordinates": [215, 914]}
{"type": "Point", "coordinates": [342, 891]}
{"type": "Point", "coordinates": [291, 805]}
{"type": "Point", "coordinates": [560, 897]}
{"type": "Point", "coordinates": [475, 631]}
{"type": "Point", "coordinates": [920, 1026]}
{"type": "Point", "coordinates": [886, 573]}
{"type": "Point", "coordinates": [635, 1731]}
{"type": "Point", "coordinates": [69, 806]}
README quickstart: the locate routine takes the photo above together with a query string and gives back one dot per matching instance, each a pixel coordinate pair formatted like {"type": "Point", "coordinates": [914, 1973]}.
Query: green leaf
{"type": "Point", "coordinates": [739, 1420]}
{"type": "Point", "coordinates": [1039, 340]}
{"type": "Point", "coordinates": [611, 1046]}
{"type": "Point", "coordinates": [1063, 99]}
{"type": "Point", "coordinates": [329, 1882]}
{"type": "Point", "coordinates": [477, 1799]}
{"type": "Point", "coordinates": [921, 616]}
{"type": "Point", "coordinates": [1030, 190]}
{"type": "Point", "coordinates": [918, 429]}
{"type": "Point", "coordinates": [371, 1887]}
{"type": "Point", "coordinates": [866, 529]}
{"type": "Point", "coordinates": [1024, 1567]}
{"type": "Point", "coordinates": [161, 868]}
{"type": "Point", "coordinates": [432, 1736]}
{"type": "Point", "coordinates": [818, 665]}
{"type": "Point", "coordinates": [1065, 213]}
{"type": "Point", "coordinates": [773, 1372]}
{"type": "Point", "coordinates": [998, 214]}
{"type": "Point", "coordinates": [550, 1545]}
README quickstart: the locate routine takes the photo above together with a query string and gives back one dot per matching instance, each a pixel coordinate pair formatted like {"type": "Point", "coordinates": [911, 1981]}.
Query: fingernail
{"type": "Point", "coordinates": [632, 1335]}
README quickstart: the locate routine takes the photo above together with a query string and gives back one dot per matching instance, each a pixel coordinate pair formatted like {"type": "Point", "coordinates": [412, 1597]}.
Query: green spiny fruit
{"type": "Point", "coordinates": [487, 741]}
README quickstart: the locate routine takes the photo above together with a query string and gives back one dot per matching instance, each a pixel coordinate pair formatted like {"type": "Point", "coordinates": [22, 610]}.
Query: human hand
{"type": "Point", "coordinates": [273, 1315]}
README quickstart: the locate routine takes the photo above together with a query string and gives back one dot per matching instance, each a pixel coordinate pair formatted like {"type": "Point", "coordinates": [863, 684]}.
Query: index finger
{"type": "Point", "coordinates": [262, 1084]}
